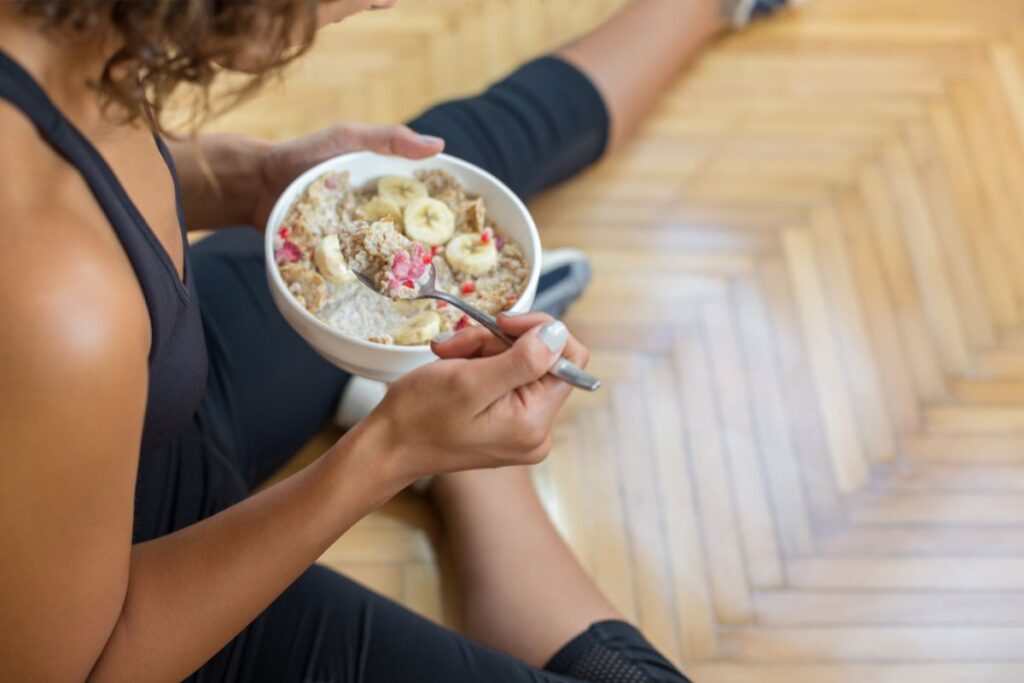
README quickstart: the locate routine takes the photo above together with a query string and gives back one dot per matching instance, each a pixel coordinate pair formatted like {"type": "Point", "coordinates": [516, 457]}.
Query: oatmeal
{"type": "Point", "coordinates": [393, 229]}
{"type": "Point", "coordinates": [397, 265]}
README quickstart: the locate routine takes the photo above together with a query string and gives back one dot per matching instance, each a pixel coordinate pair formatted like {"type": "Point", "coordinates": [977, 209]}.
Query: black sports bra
{"type": "Point", "coordinates": [177, 357]}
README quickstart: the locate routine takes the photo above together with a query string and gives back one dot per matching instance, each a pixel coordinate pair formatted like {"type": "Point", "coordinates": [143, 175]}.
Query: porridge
{"type": "Point", "coordinates": [393, 230]}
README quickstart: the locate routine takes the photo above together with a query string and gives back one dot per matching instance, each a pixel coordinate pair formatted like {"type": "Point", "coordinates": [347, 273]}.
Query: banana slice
{"type": "Point", "coordinates": [410, 306]}
{"type": "Point", "coordinates": [330, 262]}
{"type": "Point", "coordinates": [429, 221]}
{"type": "Point", "coordinates": [419, 330]}
{"type": "Point", "coordinates": [400, 190]}
{"type": "Point", "coordinates": [469, 254]}
{"type": "Point", "coordinates": [378, 209]}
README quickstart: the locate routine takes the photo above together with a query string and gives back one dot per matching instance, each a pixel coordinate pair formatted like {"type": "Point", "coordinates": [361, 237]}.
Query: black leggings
{"type": "Point", "coordinates": [268, 393]}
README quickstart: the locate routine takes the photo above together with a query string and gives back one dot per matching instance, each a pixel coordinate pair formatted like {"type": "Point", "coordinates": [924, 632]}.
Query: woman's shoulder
{"type": "Point", "coordinates": [67, 289]}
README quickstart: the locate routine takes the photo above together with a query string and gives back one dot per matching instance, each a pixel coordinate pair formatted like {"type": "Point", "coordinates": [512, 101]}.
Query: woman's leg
{"type": "Point", "coordinates": [328, 628]}
{"type": "Point", "coordinates": [268, 391]}
{"type": "Point", "coordinates": [542, 124]}
{"type": "Point", "coordinates": [633, 56]}
{"type": "Point", "coordinates": [523, 591]}
{"type": "Point", "coordinates": [556, 115]}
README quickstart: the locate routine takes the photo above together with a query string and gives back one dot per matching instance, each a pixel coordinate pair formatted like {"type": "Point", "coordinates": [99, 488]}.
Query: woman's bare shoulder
{"type": "Point", "coordinates": [67, 291]}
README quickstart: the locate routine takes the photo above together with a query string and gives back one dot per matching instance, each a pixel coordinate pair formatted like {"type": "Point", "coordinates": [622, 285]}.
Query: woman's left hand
{"type": "Point", "coordinates": [284, 162]}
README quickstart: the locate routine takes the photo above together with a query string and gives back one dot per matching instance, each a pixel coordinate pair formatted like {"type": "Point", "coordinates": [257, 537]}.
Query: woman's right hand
{"type": "Point", "coordinates": [483, 404]}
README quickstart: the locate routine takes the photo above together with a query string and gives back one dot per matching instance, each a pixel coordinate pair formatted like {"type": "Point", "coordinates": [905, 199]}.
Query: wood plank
{"type": "Point", "coordinates": [950, 508]}
{"type": "Point", "coordinates": [882, 323]}
{"type": "Point", "coordinates": [610, 562]}
{"type": "Point", "coordinates": [919, 347]}
{"type": "Point", "coordinates": [915, 540]}
{"type": "Point", "coordinates": [782, 470]}
{"type": "Point", "coordinates": [935, 478]}
{"type": "Point", "coordinates": [722, 542]}
{"type": "Point", "coordinates": [868, 399]}
{"type": "Point", "coordinates": [692, 595]}
{"type": "Point", "coordinates": [984, 146]}
{"type": "Point", "coordinates": [756, 525]}
{"type": "Point", "coordinates": [1001, 363]}
{"type": "Point", "coordinates": [923, 573]}
{"type": "Point", "coordinates": [929, 268]}
{"type": "Point", "coordinates": [989, 391]}
{"type": "Point", "coordinates": [888, 643]}
{"type": "Point", "coordinates": [845, 450]}
{"type": "Point", "coordinates": [857, 608]}
{"type": "Point", "coordinates": [801, 404]}
{"type": "Point", "coordinates": [958, 448]}
{"type": "Point", "coordinates": [651, 563]}
{"type": "Point", "coordinates": [973, 215]}
{"type": "Point", "coordinates": [978, 328]}
{"type": "Point", "coordinates": [975, 420]}
{"type": "Point", "coordinates": [849, 672]}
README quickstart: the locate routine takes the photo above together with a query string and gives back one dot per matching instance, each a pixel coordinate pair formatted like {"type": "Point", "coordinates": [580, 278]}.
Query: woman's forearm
{"type": "Point", "coordinates": [192, 591]}
{"type": "Point", "coordinates": [220, 177]}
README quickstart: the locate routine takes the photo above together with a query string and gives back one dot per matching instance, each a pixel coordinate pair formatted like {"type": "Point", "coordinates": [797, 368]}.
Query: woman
{"type": "Point", "coordinates": [148, 388]}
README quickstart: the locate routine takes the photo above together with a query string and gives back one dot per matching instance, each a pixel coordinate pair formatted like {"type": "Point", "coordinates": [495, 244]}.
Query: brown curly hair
{"type": "Point", "coordinates": [169, 43]}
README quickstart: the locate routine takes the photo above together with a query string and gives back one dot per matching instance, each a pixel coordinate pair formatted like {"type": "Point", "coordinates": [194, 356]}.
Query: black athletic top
{"type": "Point", "coordinates": [177, 357]}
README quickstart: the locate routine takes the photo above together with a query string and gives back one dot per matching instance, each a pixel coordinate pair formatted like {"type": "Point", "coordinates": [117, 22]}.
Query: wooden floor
{"type": "Point", "coordinates": [807, 464]}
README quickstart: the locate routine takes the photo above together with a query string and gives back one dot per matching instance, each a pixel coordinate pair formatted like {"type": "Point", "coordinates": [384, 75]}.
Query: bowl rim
{"type": "Point", "coordinates": [335, 163]}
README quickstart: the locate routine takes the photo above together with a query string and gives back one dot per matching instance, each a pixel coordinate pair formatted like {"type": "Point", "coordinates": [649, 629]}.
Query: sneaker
{"type": "Point", "coordinates": [742, 12]}
{"type": "Point", "coordinates": [358, 400]}
{"type": "Point", "coordinates": [564, 276]}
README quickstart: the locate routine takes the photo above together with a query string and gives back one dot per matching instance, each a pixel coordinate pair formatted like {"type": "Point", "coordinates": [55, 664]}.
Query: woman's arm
{"type": "Point", "coordinates": [191, 592]}
{"type": "Point", "coordinates": [78, 599]}
{"type": "Point", "coordinates": [243, 176]}
{"type": "Point", "coordinates": [219, 177]}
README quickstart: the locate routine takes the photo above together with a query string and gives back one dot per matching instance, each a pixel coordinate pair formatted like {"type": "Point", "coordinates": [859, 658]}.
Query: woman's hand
{"type": "Point", "coordinates": [282, 163]}
{"type": "Point", "coordinates": [483, 404]}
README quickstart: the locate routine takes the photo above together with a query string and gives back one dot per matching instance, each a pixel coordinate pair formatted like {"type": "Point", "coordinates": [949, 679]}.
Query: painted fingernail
{"type": "Point", "coordinates": [554, 335]}
{"type": "Point", "coordinates": [430, 139]}
{"type": "Point", "coordinates": [443, 337]}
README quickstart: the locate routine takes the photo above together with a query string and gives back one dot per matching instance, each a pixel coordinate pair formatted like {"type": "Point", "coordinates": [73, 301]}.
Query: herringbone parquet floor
{"type": "Point", "coordinates": [808, 461]}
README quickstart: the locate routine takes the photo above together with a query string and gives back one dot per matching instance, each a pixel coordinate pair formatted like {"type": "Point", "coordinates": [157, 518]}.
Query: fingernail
{"type": "Point", "coordinates": [554, 335]}
{"type": "Point", "coordinates": [513, 314]}
{"type": "Point", "coordinates": [430, 139]}
{"type": "Point", "coordinates": [443, 337]}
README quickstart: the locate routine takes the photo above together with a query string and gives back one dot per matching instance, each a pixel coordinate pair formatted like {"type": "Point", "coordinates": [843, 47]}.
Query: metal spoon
{"type": "Point", "coordinates": [562, 369]}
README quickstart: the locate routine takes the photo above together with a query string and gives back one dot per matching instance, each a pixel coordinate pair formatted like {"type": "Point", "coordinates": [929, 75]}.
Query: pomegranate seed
{"type": "Point", "coordinates": [499, 242]}
{"type": "Point", "coordinates": [462, 324]}
{"type": "Point", "coordinates": [408, 283]}
{"type": "Point", "coordinates": [285, 232]}
{"type": "Point", "coordinates": [288, 253]}
{"type": "Point", "coordinates": [468, 287]}
{"type": "Point", "coordinates": [485, 236]}
{"type": "Point", "coordinates": [436, 249]}
{"type": "Point", "coordinates": [442, 304]}
{"type": "Point", "coordinates": [428, 259]}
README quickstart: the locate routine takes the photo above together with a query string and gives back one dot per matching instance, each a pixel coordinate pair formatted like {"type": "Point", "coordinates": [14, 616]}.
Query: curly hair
{"type": "Point", "coordinates": [164, 44]}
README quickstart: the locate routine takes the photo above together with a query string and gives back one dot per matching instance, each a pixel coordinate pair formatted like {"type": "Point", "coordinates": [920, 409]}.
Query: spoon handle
{"type": "Point", "coordinates": [562, 369]}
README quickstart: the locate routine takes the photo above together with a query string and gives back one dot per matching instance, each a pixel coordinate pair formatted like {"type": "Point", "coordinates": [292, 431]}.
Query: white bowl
{"type": "Point", "coordinates": [385, 362]}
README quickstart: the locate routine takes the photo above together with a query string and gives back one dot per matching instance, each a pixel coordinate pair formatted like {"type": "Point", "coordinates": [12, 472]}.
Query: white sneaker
{"type": "Point", "coordinates": [359, 398]}
{"type": "Point", "coordinates": [564, 276]}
